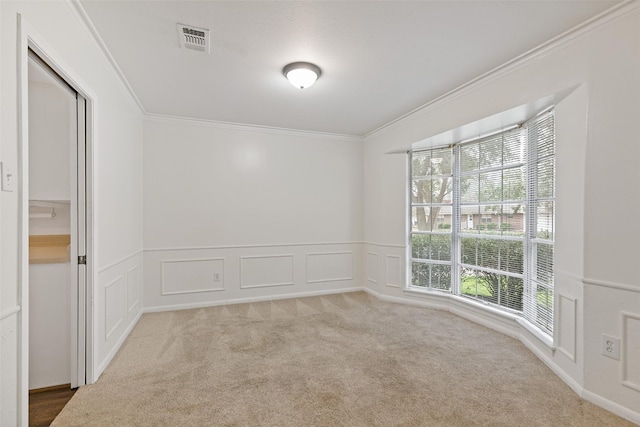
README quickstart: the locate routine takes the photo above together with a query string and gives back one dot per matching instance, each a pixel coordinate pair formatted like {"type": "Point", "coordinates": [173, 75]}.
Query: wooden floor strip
{"type": "Point", "coordinates": [45, 404]}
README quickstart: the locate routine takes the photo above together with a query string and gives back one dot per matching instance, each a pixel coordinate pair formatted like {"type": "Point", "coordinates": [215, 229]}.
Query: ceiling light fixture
{"type": "Point", "coordinates": [301, 74]}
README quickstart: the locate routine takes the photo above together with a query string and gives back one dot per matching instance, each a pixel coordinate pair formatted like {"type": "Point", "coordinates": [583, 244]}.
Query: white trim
{"type": "Point", "coordinates": [571, 356]}
{"type": "Point", "coordinates": [611, 285]}
{"type": "Point", "coordinates": [441, 301]}
{"type": "Point", "coordinates": [565, 274]}
{"type": "Point", "coordinates": [516, 63]}
{"type": "Point", "coordinates": [193, 291]}
{"type": "Point", "coordinates": [111, 283]}
{"type": "Point", "coordinates": [113, 329]}
{"type": "Point", "coordinates": [266, 285]}
{"type": "Point", "coordinates": [161, 118]}
{"type": "Point", "coordinates": [611, 406]}
{"type": "Point", "coordinates": [566, 378]}
{"type": "Point", "coordinates": [84, 19]}
{"type": "Point", "coordinates": [9, 312]}
{"type": "Point", "coordinates": [386, 245]}
{"type": "Point", "coordinates": [367, 267]}
{"type": "Point", "coordinates": [27, 38]}
{"type": "Point", "coordinates": [387, 282]}
{"type": "Point", "coordinates": [137, 301]}
{"type": "Point", "coordinates": [250, 300]}
{"type": "Point", "coordinates": [536, 332]}
{"type": "Point", "coordinates": [264, 245]}
{"type": "Point", "coordinates": [515, 329]}
{"type": "Point", "coordinates": [114, 350]}
{"type": "Point", "coordinates": [120, 261]}
{"type": "Point", "coordinates": [335, 279]}
{"type": "Point", "coordinates": [482, 312]}
{"type": "Point", "coordinates": [623, 351]}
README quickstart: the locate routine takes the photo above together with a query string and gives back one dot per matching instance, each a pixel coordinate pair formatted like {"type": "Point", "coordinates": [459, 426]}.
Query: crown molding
{"type": "Point", "coordinates": [161, 118]}
{"type": "Point", "coordinates": [518, 62]}
{"type": "Point", "coordinates": [84, 19]}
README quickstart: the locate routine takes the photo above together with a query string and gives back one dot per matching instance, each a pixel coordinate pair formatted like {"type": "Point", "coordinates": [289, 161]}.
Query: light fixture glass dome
{"type": "Point", "coordinates": [301, 74]}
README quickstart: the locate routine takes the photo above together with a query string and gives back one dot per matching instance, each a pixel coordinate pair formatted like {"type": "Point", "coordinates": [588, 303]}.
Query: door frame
{"type": "Point", "coordinates": [30, 39]}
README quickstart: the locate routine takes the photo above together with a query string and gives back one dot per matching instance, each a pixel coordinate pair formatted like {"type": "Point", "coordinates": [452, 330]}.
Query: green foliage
{"type": "Point", "coordinates": [434, 276]}
{"type": "Point", "coordinates": [431, 247]}
{"type": "Point", "coordinates": [473, 287]}
{"type": "Point", "coordinates": [444, 226]}
{"type": "Point", "coordinates": [431, 184]}
{"type": "Point", "coordinates": [544, 234]}
{"type": "Point", "coordinates": [492, 226]}
{"type": "Point", "coordinates": [496, 254]}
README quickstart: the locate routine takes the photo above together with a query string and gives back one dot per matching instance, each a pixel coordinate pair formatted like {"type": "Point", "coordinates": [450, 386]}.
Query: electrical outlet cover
{"type": "Point", "coordinates": [611, 347]}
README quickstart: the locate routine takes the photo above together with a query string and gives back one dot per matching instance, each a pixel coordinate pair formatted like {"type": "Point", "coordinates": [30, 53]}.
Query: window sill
{"type": "Point", "coordinates": [490, 315]}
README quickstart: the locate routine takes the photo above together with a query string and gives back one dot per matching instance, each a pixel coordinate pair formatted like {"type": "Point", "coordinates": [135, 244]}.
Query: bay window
{"type": "Point", "coordinates": [482, 219]}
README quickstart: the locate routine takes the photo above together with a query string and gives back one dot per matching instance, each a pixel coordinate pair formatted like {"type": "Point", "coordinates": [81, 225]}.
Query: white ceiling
{"type": "Point", "coordinates": [379, 59]}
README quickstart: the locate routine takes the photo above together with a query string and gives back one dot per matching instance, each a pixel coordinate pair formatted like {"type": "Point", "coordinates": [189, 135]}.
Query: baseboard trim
{"type": "Point", "coordinates": [109, 357]}
{"type": "Point", "coordinates": [204, 304]}
{"type": "Point", "coordinates": [523, 335]}
{"type": "Point", "coordinates": [506, 325]}
{"type": "Point", "coordinates": [621, 411]}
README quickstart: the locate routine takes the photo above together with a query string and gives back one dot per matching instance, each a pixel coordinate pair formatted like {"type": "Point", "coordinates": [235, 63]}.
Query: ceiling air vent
{"type": "Point", "coordinates": [193, 38]}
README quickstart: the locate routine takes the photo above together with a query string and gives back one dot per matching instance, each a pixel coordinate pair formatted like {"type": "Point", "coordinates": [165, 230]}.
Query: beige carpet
{"type": "Point", "coordinates": [340, 360]}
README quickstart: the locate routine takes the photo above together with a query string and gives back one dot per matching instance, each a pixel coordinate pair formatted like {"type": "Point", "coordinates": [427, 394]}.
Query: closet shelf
{"type": "Point", "coordinates": [49, 249]}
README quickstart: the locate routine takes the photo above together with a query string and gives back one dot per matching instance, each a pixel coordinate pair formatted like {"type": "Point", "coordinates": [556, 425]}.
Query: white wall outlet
{"type": "Point", "coordinates": [9, 178]}
{"type": "Point", "coordinates": [611, 347]}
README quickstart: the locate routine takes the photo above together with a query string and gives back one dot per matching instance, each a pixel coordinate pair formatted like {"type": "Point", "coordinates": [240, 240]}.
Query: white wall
{"type": "Point", "coordinates": [270, 212]}
{"type": "Point", "coordinates": [117, 199]}
{"type": "Point", "coordinates": [597, 206]}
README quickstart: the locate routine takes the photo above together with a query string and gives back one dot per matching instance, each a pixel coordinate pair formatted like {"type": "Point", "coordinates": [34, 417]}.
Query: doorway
{"type": "Point", "coordinates": [57, 230]}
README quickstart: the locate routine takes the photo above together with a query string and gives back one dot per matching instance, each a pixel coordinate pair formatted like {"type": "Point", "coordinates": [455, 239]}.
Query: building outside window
{"type": "Point", "coordinates": [482, 215]}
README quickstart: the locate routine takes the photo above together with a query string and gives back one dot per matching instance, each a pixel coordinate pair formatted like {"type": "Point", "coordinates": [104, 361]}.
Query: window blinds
{"type": "Point", "coordinates": [482, 219]}
{"type": "Point", "coordinates": [540, 224]}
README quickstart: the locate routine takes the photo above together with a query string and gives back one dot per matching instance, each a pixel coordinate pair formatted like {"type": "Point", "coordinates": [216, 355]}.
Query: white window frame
{"type": "Point", "coordinates": [531, 239]}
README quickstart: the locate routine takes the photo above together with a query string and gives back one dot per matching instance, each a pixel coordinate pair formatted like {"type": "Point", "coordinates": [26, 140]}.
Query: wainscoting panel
{"type": "Point", "coordinates": [187, 276]}
{"type": "Point", "coordinates": [329, 267]}
{"type": "Point", "coordinates": [372, 267]}
{"type": "Point", "coordinates": [113, 305]}
{"type": "Point", "coordinates": [567, 334]}
{"type": "Point", "coordinates": [118, 306]}
{"type": "Point", "coordinates": [266, 270]}
{"type": "Point", "coordinates": [613, 310]}
{"type": "Point", "coordinates": [630, 350]}
{"type": "Point", "coordinates": [389, 266]}
{"type": "Point", "coordinates": [174, 280]}
{"type": "Point", "coordinates": [133, 288]}
{"type": "Point", "coordinates": [394, 271]}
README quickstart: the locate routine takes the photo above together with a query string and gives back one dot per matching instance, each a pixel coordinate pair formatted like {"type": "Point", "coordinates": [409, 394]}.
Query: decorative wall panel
{"type": "Point", "coordinates": [329, 267]}
{"type": "Point", "coordinates": [266, 270]}
{"type": "Point", "coordinates": [188, 276]}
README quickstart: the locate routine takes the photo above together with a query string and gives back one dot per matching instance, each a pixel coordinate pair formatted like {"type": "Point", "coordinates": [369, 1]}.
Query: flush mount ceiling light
{"type": "Point", "coordinates": [301, 74]}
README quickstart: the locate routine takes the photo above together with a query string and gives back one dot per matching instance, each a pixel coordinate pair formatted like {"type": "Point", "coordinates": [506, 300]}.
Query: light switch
{"type": "Point", "coordinates": [9, 177]}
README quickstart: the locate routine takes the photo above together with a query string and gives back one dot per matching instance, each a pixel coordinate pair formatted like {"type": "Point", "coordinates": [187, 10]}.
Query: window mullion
{"type": "Point", "coordinates": [508, 263]}
{"type": "Point", "coordinates": [529, 302]}
{"type": "Point", "coordinates": [455, 226]}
